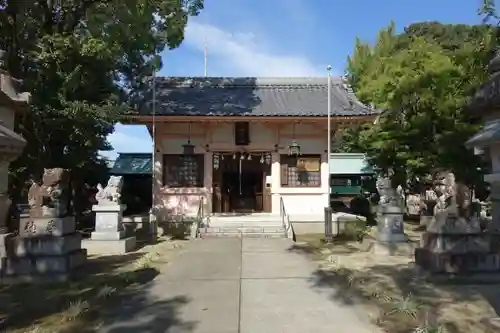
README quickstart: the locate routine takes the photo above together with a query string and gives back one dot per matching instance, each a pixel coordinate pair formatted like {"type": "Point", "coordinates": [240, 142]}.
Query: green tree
{"type": "Point", "coordinates": [82, 60]}
{"type": "Point", "coordinates": [422, 83]}
{"type": "Point", "coordinates": [488, 10]}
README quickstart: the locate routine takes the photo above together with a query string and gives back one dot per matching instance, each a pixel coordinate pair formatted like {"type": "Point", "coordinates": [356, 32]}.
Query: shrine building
{"type": "Point", "coordinates": [244, 144]}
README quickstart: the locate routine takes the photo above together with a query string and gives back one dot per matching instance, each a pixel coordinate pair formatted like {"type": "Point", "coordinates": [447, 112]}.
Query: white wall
{"type": "Point", "coordinates": [219, 137]}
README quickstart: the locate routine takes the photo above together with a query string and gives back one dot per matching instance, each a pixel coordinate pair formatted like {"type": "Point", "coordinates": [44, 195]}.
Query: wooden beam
{"type": "Point", "coordinates": [304, 136]}
{"type": "Point", "coordinates": [141, 119]}
{"type": "Point", "coordinates": [180, 135]}
{"type": "Point", "coordinates": [273, 126]}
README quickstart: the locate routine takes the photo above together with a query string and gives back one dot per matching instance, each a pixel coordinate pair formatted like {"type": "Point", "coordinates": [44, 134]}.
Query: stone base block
{"type": "Point", "coordinates": [388, 237]}
{"type": "Point", "coordinates": [455, 242]}
{"type": "Point", "coordinates": [405, 249]}
{"type": "Point", "coordinates": [43, 265]}
{"type": "Point", "coordinates": [444, 222]}
{"type": "Point", "coordinates": [53, 226]}
{"type": "Point", "coordinates": [109, 247]}
{"type": "Point", "coordinates": [43, 245]}
{"type": "Point", "coordinates": [110, 235]}
{"type": "Point", "coordinates": [4, 241]}
{"type": "Point", "coordinates": [457, 263]}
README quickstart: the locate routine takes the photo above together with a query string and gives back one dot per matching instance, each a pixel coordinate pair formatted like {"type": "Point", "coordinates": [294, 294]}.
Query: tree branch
{"type": "Point", "coordinates": [79, 13]}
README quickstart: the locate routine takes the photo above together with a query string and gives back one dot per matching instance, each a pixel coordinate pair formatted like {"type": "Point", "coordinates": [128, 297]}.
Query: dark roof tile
{"type": "Point", "coordinates": [132, 164]}
{"type": "Point", "coordinates": [200, 96]}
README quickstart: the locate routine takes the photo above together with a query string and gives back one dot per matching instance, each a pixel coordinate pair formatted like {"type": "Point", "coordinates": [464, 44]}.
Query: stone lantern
{"type": "Point", "coordinates": [11, 143]}
{"type": "Point", "coordinates": [486, 103]}
{"type": "Point", "coordinates": [455, 244]}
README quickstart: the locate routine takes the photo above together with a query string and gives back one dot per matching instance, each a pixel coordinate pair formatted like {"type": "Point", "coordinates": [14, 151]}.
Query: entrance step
{"type": "Point", "coordinates": [247, 225]}
{"type": "Point", "coordinates": [244, 230]}
{"type": "Point", "coordinates": [253, 219]}
{"type": "Point", "coordinates": [244, 235]}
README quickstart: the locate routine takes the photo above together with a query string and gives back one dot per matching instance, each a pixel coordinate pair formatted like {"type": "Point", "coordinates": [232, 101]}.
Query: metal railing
{"type": "Point", "coordinates": [200, 217]}
{"type": "Point", "coordinates": [285, 220]}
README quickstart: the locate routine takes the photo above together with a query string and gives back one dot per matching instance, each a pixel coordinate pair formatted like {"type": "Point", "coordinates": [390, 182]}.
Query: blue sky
{"type": "Point", "coordinates": [285, 38]}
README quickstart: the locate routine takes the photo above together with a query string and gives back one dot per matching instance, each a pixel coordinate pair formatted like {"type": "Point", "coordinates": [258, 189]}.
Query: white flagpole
{"type": "Point", "coordinates": [329, 143]}
{"type": "Point", "coordinates": [152, 216]}
{"type": "Point", "coordinates": [328, 210]}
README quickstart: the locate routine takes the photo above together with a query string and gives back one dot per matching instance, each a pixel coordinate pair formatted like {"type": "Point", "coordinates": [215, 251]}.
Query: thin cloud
{"type": "Point", "coordinates": [229, 54]}
{"type": "Point", "coordinates": [243, 55]}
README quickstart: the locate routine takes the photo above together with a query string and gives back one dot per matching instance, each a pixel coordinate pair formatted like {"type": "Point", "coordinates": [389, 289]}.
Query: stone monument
{"type": "Point", "coordinates": [454, 242]}
{"type": "Point", "coordinates": [470, 250]}
{"type": "Point", "coordinates": [391, 238]}
{"type": "Point", "coordinates": [109, 235]}
{"type": "Point", "coordinates": [390, 213]}
{"type": "Point", "coordinates": [48, 246]}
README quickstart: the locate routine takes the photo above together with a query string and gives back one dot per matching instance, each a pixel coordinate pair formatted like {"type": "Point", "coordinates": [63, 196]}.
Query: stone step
{"type": "Point", "coordinates": [246, 219]}
{"type": "Point", "coordinates": [245, 224]}
{"type": "Point", "coordinates": [229, 229]}
{"type": "Point", "coordinates": [244, 235]}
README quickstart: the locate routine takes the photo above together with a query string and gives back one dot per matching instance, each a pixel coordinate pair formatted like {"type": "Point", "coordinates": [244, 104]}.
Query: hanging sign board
{"type": "Point", "coordinates": [308, 164]}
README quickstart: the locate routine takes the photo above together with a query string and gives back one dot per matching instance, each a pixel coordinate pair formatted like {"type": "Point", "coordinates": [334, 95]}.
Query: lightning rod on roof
{"type": "Point", "coordinates": [205, 56]}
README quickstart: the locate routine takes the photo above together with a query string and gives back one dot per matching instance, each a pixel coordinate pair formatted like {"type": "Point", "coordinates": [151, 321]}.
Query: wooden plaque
{"type": "Point", "coordinates": [308, 164]}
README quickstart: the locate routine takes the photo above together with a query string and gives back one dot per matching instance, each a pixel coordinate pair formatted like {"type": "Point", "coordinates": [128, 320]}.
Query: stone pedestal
{"type": "Point", "coordinates": [427, 214]}
{"type": "Point", "coordinates": [109, 235]}
{"type": "Point", "coordinates": [390, 224]}
{"type": "Point", "coordinates": [391, 239]}
{"type": "Point", "coordinates": [47, 249]}
{"type": "Point", "coordinates": [455, 245]}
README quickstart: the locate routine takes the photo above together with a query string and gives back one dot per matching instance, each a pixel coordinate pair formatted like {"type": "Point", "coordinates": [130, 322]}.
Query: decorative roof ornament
{"type": "Point", "coordinates": [345, 82]}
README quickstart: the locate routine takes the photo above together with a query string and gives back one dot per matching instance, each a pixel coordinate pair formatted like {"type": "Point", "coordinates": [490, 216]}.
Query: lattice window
{"type": "Point", "coordinates": [183, 170]}
{"type": "Point", "coordinates": [346, 181]}
{"type": "Point", "coordinates": [301, 171]}
{"type": "Point", "coordinates": [341, 182]}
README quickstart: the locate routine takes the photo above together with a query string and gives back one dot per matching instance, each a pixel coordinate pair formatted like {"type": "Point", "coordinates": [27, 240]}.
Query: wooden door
{"type": "Point", "coordinates": [217, 184]}
{"type": "Point", "coordinates": [225, 193]}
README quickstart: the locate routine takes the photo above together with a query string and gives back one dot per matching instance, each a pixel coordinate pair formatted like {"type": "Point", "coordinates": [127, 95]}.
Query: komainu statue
{"type": "Point", "coordinates": [51, 198]}
{"type": "Point", "coordinates": [388, 194]}
{"type": "Point", "coordinates": [111, 194]}
{"type": "Point", "coordinates": [454, 209]}
{"type": "Point", "coordinates": [453, 197]}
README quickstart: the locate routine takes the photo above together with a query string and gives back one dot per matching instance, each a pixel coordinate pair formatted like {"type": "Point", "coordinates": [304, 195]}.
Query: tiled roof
{"type": "Point", "coordinates": [132, 164]}
{"type": "Point", "coordinates": [298, 96]}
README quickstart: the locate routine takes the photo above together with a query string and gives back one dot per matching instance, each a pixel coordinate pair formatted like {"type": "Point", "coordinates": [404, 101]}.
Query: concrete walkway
{"type": "Point", "coordinates": [238, 286]}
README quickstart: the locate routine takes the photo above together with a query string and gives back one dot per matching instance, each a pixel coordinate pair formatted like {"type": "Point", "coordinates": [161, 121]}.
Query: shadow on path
{"type": "Point", "coordinates": [403, 298]}
{"type": "Point", "coordinates": [141, 312]}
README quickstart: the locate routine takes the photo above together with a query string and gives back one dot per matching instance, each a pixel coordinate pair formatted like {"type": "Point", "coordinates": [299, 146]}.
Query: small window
{"type": "Point", "coordinates": [301, 171]}
{"type": "Point", "coordinates": [241, 133]}
{"type": "Point", "coordinates": [183, 170]}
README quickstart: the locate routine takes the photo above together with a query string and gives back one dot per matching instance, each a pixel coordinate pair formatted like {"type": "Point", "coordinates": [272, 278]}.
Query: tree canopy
{"type": "Point", "coordinates": [82, 60]}
{"type": "Point", "coordinates": [421, 78]}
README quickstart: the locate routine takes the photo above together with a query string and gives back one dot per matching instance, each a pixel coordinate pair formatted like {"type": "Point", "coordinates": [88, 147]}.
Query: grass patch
{"type": "Point", "coordinates": [76, 306]}
{"type": "Point", "coordinates": [393, 293]}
